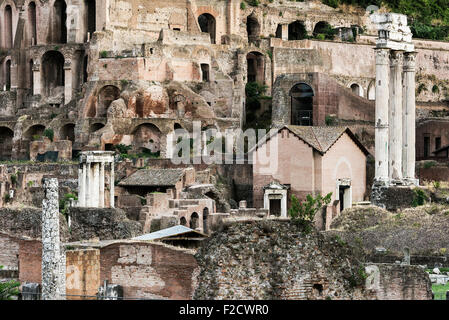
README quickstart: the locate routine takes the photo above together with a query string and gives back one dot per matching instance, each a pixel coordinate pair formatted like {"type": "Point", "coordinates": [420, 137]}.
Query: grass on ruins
{"type": "Point", "coordinates": [439, 291]}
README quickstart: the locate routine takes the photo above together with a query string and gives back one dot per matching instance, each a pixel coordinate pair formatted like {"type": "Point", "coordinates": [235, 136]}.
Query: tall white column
{"type": "Point", "coordinates": [88, 184]}
{"type": "Point", "coordinates": [81, 185]}
{"type": "Point", "coordinates": [96, 183]}
{"type": "Point", "coordinates": [408, 119]}
{"type": "Point", "coordinates": [111, 186]}
{"type": "Point", "coordinates": [101, 204]}
{"type": "Point", "coordinates": [395, 116]}
{"type": "Point", "coordinates": [382, 102]}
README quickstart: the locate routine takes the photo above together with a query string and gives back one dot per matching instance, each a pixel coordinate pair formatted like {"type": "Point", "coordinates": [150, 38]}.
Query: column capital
{"type": "Point", "coordinates": [410, 61]}
{"type": "Point", "coordinates": [382, 56]}
{"type": "Point", "coordinates": [396, 58]}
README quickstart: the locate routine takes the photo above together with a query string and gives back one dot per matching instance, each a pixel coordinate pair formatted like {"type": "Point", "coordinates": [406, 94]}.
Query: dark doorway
{"type": "Point", "coordinates": [437, 143]}
{"type": "Point", "coordinates": [207, 24]}
{"type": "Point", "coordinates": [426, 147]}
{"type": "Point", "coordinates": [205, 72]}
{"type": "Point", "coordinates": [8, 27]}
{"type": "Point", "coordinates": [205, 220]}
{"type": "Point", "coordinates": [302, 105]}
{"type": "Point", "coordinates": [256, 67]}
{"type": "Point", "coordinates": [31, 76]}
{"type": "Point", "coordinates": [252, 28]}
{"type": "Point", "coordinates": [297, 31]}
{"type": "Point", "coordinates": [275, 207]}
{"type": "Point", "coordinates": [59, 22]}
{"type": "Point", "coordinates": [52, 71]}
{"type": "Point", "coordinates": [194, 221]}
{"type": "Point", "coordinates": [279, 31]}
{"type": "Point", "coordinates": [32, 23]}
{"type": "Point", "coordinates": [91, 22]}
{"type": "Point", "coordinates": [8, 75]}
{"type": "Point", "coordinates": [342, 190]}
{"type": "Point", "coordinates": [6, 136]}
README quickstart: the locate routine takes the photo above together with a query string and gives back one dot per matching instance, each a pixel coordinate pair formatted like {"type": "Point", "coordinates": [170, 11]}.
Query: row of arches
{"type": "Point", "coordinates": [358, 90]}
{"type": "Point", "coordinates": [194, 221]}
{"type": "Point", "coordinates": [297, 30]}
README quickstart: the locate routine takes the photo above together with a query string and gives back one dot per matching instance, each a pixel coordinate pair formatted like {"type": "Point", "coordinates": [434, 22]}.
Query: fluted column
{"type": "Point", "coordinates": [111, 186]}
{"type": "Point", "coordinates": [408, 119]}
{"type": "Point", "coordinates": [101, 204]}
{"type": "Point", "coordinates": [395, 116]}
{"type": "Point", "coordinates": [82, 185]}
{"type": "Point", "coordinates": [88, 185]}
{"type": "Point", "coordinates": [96, 183]}
{"type": "Point", "coordinates": [381, 128]}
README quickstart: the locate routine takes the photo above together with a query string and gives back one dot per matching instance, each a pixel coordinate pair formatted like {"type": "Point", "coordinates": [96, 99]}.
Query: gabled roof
{"type": "Point", "coordinates": [175, 231]}
{"type": "Point", "coordinates": [319, 138]}
{"type": "Point", "coordinates": [153, 178]}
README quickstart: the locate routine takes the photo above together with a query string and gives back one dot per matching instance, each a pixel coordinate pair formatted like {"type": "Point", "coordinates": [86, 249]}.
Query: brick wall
{"type": "Point", "coordinates": [148, 270]}
{"type": "Point", "coordinates": [82, 272]}
{"type": "Point", "coordinates": [30, 261]}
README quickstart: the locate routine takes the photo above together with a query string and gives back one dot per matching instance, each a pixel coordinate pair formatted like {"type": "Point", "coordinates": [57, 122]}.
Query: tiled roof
{"type": "Point", "coordinates": [320, 138]}
{"type": "Point", "coordinates": [153, 178]}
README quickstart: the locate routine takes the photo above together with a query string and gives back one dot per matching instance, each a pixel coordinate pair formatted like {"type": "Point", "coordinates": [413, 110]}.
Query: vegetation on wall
{"type": "Point", "coordinates": [9, 289]}
{"type": "Point", "coordinates": [428, 19]}
{"type": "Point", "coordinates": [303, 213]}
{"type": "Point", "coordinates": [255, 95]}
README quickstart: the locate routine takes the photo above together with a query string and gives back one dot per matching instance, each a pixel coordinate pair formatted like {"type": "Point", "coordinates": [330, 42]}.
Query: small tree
{"type": "Point", "coordinates": [8, 290]}
{"type": "Point", "coordinates": [304, 213]}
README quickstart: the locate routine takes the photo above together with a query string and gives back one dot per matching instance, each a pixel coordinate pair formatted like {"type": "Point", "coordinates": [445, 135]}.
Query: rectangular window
{"type": "Point", "coordinates": [437, 143]}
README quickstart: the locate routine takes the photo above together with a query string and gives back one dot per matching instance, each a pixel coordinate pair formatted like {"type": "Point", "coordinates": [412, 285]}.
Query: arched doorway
{"type": "Point", "coordinates": [323, 30]}
{"type": "Point", "coordinates": [67, 132]}
{"type": "Point", "coordinates": [194, 221]}
{"type": "Point", "coordinates": [147, 137]}
{"type": "Point", "coordinates": [356, 89]}
{"type": "Point", "coordinates": [52, 72]}
{"type": "Point", "coordinates": [32, 26]}
{"type": "Point", "coordinates": [106, 95]}
{"type": "Point", "coordinates": [183, 221]}
{"type": "Point", "coordinates": [302, 104]}
{"type": "Point", "coordinates": [205, 220]}
{"type": "Point", "coordinates": [90, 16]}
{"type": "Point", "coordinates": [297, 31]}
{"type": "Point", "coordinates": [6, 136]}
{"type": "Point", "coordinates": [8, 27]}
{"type": "Point", "coordinates": [208, 25]}
{"type": "Point", "coordinates": [252, 28]}
{"type": "Point", "coordinates": [256, 67]}
{"type": "Point", "coordinates": [59, 28]}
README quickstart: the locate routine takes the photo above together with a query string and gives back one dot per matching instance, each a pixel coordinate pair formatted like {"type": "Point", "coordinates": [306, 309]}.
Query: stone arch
{"type": "Point", "coordinates": [8, 29]}
{"type": "Point", "coordinates": [58, 22]}
{"type": "Point", "coordinates": [52, 72]}
{"type": "Point", "coordinates": [255, 67]}
{"type": "Point", "coordinates": [324, 28]}
{"type": "Point", "coordinates": [6, 136]}
{"type": "Point", "coordinates": [301, 95]}
{"type": "Point", "coordinates": [252, 28]}
{"type": "Point", "coordinates": [372, 90]}
{"type": "Point", "coordinates": [34, 130]}
{"type": "Point", "coordinates": [106, 95]}
{"type": "Point", "coordinates": [147, 136]}
{"type": "Point", "coordinates": [356, 89]}
{"type": "Point", "coordinates": [96, 126]}
{"type": "Point", "coordinates": [177, 126]}
{"type": "Point", "coordinates": [208, 24]}
{"type": "Point", "coordinates": [205, 220]}
{"type": "Point", "coordinates": [297, 30]}
{"type": "Point", "coordinates": [32, 23]}
{"type": "Point", "coordinates": [183, 221]}
{"type": "Point", "coordinates": [194, 221]}
{"type": "Point", "coordinates": [67, 132]}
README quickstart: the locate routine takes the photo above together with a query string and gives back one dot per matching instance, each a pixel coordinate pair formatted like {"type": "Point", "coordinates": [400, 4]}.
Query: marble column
{"type": "Point", "coordinates": [408, 119]}
{"type": "Point", "coordinates": [96, 187]}
{"type": "Point", "coordinates": [111, 186]}
{"type": "Point", "coordinates": [89, 185]}
{"type": "Point", "coordinates": [101, 204]}
{"type": "Point", "coordinates": [67, 83]}
{"type": "Point", "coordinates": [36, 79]}
{"type": "Point", "coordinates": [82, 185]}
{"type": "Point", "coordinates": [382, 102]}
{"type": "Point", "coordinates": [395, 116]}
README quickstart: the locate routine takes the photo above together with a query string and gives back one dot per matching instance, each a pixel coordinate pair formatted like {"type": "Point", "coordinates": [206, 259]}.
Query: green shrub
{"type": "Point", "coordinates": [122, 149]}
{"type": "Point", "coordinates": [304, 213]}
{"type": "Point", "coordinates": [103, 54]}
{"type": "Point", "coordinates": [49, 133]}
{"type": "Point", "coordinates": [242, 5]}
{"type": "Point", "coordinates": [419, 197]}
{"type": "Point", "coordinates": [9, 290]}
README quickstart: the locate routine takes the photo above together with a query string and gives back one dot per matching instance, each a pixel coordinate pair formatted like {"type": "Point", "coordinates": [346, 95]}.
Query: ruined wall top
{"type": "Point", "coordinates": [96, 156]}
{"type": "Point", "coordinates": [394, 33]}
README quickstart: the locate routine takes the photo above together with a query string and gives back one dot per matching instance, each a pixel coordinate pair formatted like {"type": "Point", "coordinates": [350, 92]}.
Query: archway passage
{"type": "Point", "coordinates": [302, 104]}
{"type": "Point", "coordinates": [207, 24]}
{"type": "Point", "coordinates": [183, 221]}
{"type": "Point", "coordinates": [323, 30]}
{"type": "Point", "coordinates": [256, 67]}
{"type": "Point", "coordinates": [67, 132]}
{"type": "Point", "coordinates": [8, 27]}
{"type": "Point", "coordinates": [356, 89]}
{"type": "Point", "coordinates": [106, 95]}
{"type": "Point", "coordinates": [59, 28]}
{"type": "Point", "coordinates": [32, 26]}
{"type": "Point", "coordinates": [52, 72]}
{"type": "Point", "coordinates": [252, 28]}
{"type": "Point", "coordinates": [147, 137]}
{"type": "Point", "coordinates": [194, 221]}
{"type": "Point", "coordinates": [96, 126]}
{"type": "Point", "coordinates": [6, 136]}
{"type": "Point", "coordinates": [34, 132]}
{"type": "Point", "coordinates": [297, 31]}
{"type": "Point", "coordinates": [372, 90]}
